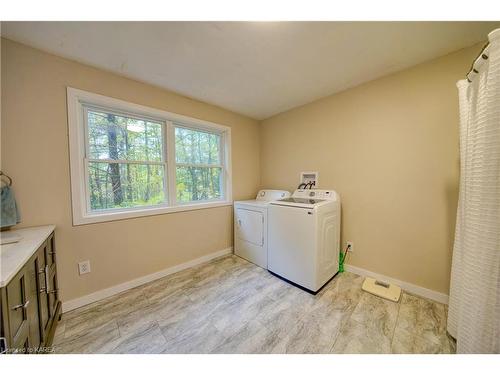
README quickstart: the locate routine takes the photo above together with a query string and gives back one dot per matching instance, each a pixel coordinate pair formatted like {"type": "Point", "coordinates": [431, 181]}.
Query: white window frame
{"type": "Point", "coordinates": [82, 214]}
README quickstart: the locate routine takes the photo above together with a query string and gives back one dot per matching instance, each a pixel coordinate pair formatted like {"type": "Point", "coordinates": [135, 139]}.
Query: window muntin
{"type": "Point", "coordinates": [125, 162]}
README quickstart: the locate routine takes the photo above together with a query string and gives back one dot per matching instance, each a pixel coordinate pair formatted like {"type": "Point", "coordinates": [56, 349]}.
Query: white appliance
{"type": "Point", "coordinates": [250, 226]}
{"type": "Point", "coordinates": [304, 237]}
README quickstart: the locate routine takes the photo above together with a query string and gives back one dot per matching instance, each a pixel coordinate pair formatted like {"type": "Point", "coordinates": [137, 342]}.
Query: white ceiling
{"type": "Point", "coordinates": [254, 68]}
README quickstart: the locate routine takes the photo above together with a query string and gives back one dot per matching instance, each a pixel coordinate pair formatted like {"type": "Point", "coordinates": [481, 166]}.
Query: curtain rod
{"type": "Point", "coordinates": [481, 54]}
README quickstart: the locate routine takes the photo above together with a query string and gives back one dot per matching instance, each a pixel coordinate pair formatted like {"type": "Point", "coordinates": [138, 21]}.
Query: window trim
{"type": "Point", "coordinates": [78, 99]}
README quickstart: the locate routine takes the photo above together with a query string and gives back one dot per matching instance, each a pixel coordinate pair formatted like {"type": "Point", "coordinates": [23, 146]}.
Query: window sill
{"type": "Point", "coordinates": [131, 214]}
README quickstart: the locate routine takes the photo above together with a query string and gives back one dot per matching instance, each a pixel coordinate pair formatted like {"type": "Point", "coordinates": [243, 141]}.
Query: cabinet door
{"type": "Point", "coordinates": [24, 346]}
{"type": "Point", "coordinates": [17, 304]}
{"type": "Point", "coordinates": [43, 297]}
{"type": "Point", "coordinates": [50, 251]}
{"type": "Point", "coordinates": [35, 331]}
{"type": "Point", "coordinates": [48, 293]}
{"type": "Point", "coordinates": [52, 292]}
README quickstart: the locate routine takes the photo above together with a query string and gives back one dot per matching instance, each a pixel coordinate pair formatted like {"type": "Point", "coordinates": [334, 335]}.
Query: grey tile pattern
{"type": "Point", "coordinates": [421, 327]}
{"type": "Point", "coordinates": [231, 306]}
{"type": "Point", "coordinates": [370, 327]}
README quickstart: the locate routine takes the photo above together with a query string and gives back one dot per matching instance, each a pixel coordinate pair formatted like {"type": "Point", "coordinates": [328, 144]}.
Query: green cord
{"type": "Point", "coordinates": [342, 258]}
{"type": "Point", "coordinates": [341, 262]}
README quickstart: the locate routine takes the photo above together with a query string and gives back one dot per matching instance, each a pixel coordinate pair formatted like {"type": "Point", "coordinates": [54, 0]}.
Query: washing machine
{"type": "Point", "coordinates": [250, 226]}
{"type": "Point", "coordinates": [304, 238]}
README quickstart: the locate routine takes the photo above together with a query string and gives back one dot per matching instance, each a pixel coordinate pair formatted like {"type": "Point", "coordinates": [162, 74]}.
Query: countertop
{"type": "Point", "coordinates": [14, 256]}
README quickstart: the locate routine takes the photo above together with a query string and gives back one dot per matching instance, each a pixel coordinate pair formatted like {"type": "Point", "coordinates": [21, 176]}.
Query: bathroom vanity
{"type": "Point", "coordinates": [29, 303]}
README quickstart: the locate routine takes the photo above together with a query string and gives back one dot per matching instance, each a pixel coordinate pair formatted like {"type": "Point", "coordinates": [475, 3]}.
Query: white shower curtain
{"type": "Point", "coordinates": [474, 309]}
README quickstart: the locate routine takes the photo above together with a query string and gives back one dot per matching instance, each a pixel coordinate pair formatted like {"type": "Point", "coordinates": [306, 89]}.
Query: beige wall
{"type": "Point", "coordinates": [35, 154]}
{"type": "Point", "coordinates": [390, 148]}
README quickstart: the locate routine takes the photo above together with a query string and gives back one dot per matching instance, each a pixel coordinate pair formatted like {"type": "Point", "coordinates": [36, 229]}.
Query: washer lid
{"type": "Point", "coordinates": [300, 202]}
{"type": "Point", "coordinates": [271, 195]}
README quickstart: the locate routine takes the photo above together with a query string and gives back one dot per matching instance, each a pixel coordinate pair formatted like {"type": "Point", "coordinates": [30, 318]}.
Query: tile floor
{"type": "Point", "coordinates": [231, 306]}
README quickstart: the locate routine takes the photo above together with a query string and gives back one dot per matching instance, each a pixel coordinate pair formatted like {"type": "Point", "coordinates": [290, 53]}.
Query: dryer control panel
{"type": "Point", "coordinates": [268, 195]}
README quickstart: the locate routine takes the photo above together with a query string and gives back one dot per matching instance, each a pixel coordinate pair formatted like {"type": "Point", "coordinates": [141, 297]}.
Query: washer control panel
{"type": "Point", "coordinates": [315, 193]}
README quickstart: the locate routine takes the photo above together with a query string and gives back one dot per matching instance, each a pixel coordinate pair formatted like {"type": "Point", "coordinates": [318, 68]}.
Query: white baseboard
{"type": "Point", "coordinates": [412, 288]}
{"type": "Point", "coordinates": [108, 292]}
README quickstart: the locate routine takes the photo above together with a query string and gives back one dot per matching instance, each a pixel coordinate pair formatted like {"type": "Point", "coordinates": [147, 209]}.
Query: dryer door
{"type": "Point", "coordinates": [250, 226]}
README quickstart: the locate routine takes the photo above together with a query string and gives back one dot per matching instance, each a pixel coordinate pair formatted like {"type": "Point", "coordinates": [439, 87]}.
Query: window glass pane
{"type": "Point", "coordinates": [198, 183]}
{"type": "Point", "coordinates": [196, 147]}
{"type": "Point", "coordinates": [119, 185]}
{"type": "Point", "coordinates": [122, 138]}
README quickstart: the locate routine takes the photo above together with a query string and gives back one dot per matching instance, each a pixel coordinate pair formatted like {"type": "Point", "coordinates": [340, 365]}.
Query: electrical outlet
{"type": "Point", "coordinates": [84, 267]}
{"type": "Point", "coordinates": [351, 246]}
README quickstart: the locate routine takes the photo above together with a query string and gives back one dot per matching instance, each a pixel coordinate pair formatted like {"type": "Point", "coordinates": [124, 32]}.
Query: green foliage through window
{"type": "Point", "coordinates": [199, 170]}
{"type": "Point", "coordinates": [126, 155]}
{"type": "Point", "coordinates": [196, 147]}
{"type": "Point", "coordinates": [123, 138]}
{"type": "Point", "coordinates": [198, 184]}
{"type": "Point", "coordinates": [122, 184]}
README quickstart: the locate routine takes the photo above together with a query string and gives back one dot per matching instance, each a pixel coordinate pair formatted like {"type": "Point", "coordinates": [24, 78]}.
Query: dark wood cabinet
{"type": "Point", "coordinates": [29, 303]}
{"type": "Point", "coordinates": [17, 306]}
{"type": "Point", "coordinates": [32, 269]}
{"type": "Point", "coordinates": [42, 290]}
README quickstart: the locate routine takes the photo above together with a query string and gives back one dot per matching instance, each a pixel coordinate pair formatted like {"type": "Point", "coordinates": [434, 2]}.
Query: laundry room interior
{"type": "Point", "coordinates": [250, 187]}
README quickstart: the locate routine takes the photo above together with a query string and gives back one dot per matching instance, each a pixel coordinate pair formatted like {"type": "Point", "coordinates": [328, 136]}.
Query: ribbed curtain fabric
{"type": "Point", "coordinates": [474, 308]}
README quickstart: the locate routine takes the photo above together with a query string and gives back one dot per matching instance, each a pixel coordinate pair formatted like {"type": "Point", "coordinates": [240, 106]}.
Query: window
{"type": "Point", "coordinates": [198, 165]}
{"type": "Point", "coordinates": [125, 162]}
{"type": "Point", "coordinates": [128, 160]}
